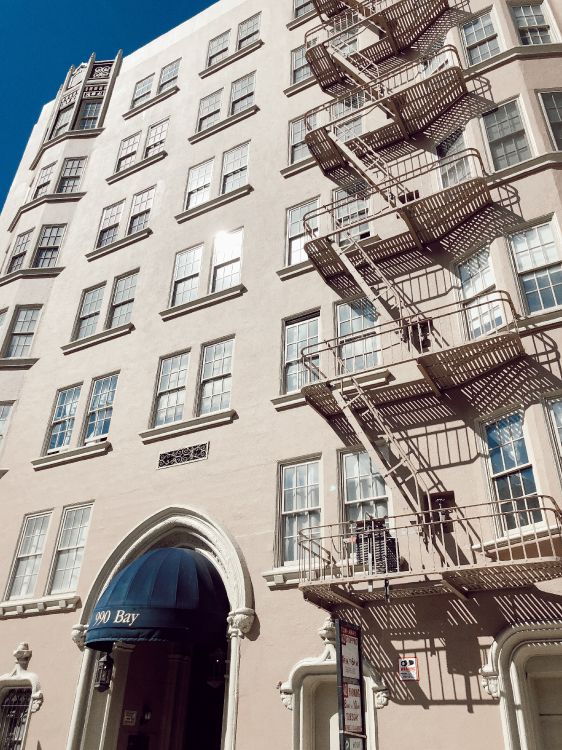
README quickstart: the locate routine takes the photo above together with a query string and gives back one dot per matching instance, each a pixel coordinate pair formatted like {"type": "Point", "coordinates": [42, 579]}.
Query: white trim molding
{"type": "Point", "coordinates": [178, 526]}
{"type": "Point", "coordinates": [503, 677]}
{"type": "Point", "coordinates": [20, 677]}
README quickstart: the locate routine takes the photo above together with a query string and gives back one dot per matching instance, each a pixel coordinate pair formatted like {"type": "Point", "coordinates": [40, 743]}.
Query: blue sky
{"type": "Point", "coordinates": [41, 39]}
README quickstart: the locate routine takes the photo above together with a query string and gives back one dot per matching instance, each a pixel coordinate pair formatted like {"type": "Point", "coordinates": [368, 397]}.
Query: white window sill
{"type": "Point", "coordinates": [289, 272]}
{"type": "Point", "coordinates": [282, 578]}
{"type": "Point", "coordinates": [43, 605]}
{"type": "Point", "coordinates": [214, 203]}
{"type": "Point", "coordinates": [47, 198]}
{"type": "Point", "coordinates": [223, 124]}
{"type": "Point", "coordinates": [136, 167]}
{"type": "Point", "coordinates": [151, 102]}
{"type": "Point", "coordinates": [130, 239]}
{"type": "Point", "coordinates": [69, 456]}
{"type": "Point", "coordinates": [69, 135]}
{"type": "Point", "coordinates": [519, 52]}
{"type": "Point", "coordinates": [296, 88]}
{"type": "Point", "coordinates": [97, 338]}
{"type": "Point", "coordinates": [191, 425]}
{"type": "Point", "coordinates": [230, 59]}
{"type": "Point", "coordinates": [31, 273]}
{"type": "Point", "coordinates": [288, 401]}
{"type": "Point", "coordinates": [298, 167]}
{"type": "Point", "coordinates": [198, 304]}
{"type": "Point", "coordinates": [540, 319]}
{"type": "Point", "coordinates": [17, 363]}
{"type": "Point", "coordinates": [551, 160]}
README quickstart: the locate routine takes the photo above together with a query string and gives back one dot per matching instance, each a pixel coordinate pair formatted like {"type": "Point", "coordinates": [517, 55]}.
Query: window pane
{"type": "Point", "coordinates": [89, 312]}
{"type": "Point", "coordinates": [156, 138]}
{"type": "Point", "coordinates": [23, 328]}
{"type": "Point", "coordinates": [353, 318]}
{"type": "Point", "coordinates": [209, 110]}
{"type": "Point", "coordinates": [169, 76]}
{"type": "Point", "coordinates": [186, 275]}
{"type": "Point", "coordinates": [63, 418]}
{"type": "Point", "coordinates": [552, 101]}
{"type": "Point", "coordinates": [226, 260]}
{"type": "Point", "coordinates": [199, 184]}
{"type": "Point", "coordinates": [249, 31]}
{"type": "Point", "coordinates": [100, 409]}
{"type": "Point", "coordinates": [531, 24]}
{"type": "Point", "coordinates": [127, 152]}
{"type": "Point", "coordinates": [122, 303]}
{"type": "Point", "coordinates": [142, 91]}
{"type": "Point", "coordinates": [300, 504]}
{"type": "Point", "coordinates": [170, 397]}
{"type": "Point", "coordinates": [506, 135]}
{"type": "Point", "coordinates": [70, 549]}
{"type": "Point", "coordinates": [47, 251]}
{"type": "Point", "coordinates": [28, 559]}
{"type": "Point", "coordinates": [218, 48]}
{"type": "Point", "coordinates": [235, 168]}
{"type": "Point", "coordinates": [216, 380]}
{"type": "Point", "coordinates": [18, 253]}
{"type": "Point", "coordinates": [296, 236]}
{"type": "Point", "coordinates": [299, 335]}
{"type": "Point", "coordinates": [242, 94]}
{"type": "Point", "coordinates": [481, 39]}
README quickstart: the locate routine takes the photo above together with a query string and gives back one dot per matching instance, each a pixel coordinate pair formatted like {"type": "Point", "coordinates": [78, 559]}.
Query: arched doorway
{"type": "Point", "coordinates": [173, 665]}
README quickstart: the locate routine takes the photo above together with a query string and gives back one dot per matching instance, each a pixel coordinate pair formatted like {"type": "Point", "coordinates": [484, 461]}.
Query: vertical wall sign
{"type": "Point", "coordinates": [351, 700]}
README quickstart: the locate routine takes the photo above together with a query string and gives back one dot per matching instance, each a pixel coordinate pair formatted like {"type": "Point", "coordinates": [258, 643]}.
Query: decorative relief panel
{"type": "Point", "coordinates": [67, 99]}
{"type": "Point", "coordinates": [94, 91]}
{"type": "Point", "coordinates": [183, 456]}
{"type": "Point", "coordinates": [101, 71]}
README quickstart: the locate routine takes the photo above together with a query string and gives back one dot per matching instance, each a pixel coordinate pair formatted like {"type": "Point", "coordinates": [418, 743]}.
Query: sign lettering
{"type": "Point", "coordinates": [121, 617]}
{"type": "Point", "coordinates": [350, 687]}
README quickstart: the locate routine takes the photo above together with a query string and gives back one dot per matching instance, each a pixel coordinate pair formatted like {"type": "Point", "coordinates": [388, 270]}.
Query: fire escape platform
{"type": "Point", "coordinates": [453, 367]}
{"type": "Point", "coordinates": [362, 591]}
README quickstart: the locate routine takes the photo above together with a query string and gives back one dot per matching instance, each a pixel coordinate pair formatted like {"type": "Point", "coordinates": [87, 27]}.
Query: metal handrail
{"type": "Point", "coordinates": [375, 93]}
{"type": "Point", "coordinates": [433, 541]}
{"type": "Point", "coordinates": [398, 341]}
{"type": "Point", "coordinates": [411, 167]}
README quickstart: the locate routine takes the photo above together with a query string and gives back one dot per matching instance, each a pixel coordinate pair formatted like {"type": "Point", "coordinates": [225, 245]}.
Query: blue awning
{"type": "Point", "coordinates": [167, 594]}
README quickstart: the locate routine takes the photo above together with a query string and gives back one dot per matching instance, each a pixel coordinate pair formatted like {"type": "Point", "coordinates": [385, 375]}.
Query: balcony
{"type": "Point", "coordinates": [461, 550]}
{"type": "Point", "coordinates": [428, 97]}
{"type": "Point", "coordinates": [351, 46]}
{"type": "Point", "coordinates": [449, 345]}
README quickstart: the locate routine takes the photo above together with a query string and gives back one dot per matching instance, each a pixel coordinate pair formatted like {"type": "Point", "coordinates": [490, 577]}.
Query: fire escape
{"type": "Point", "coordinates": [397, 96]}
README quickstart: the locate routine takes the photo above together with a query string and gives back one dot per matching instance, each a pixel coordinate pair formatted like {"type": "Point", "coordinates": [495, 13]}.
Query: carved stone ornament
{"type": "Point", "coordinates": [101, 71]}
{"type": "Point", "coordinates": [79, 635]}
{"type": "Point", "coordinates": [67, 99]}
{"type": "Point", "coordinates": [490, 682]}
{"type": "Point", "coordinates": [19, 675]}
{"type": "Point", "coordinates": [328, 631]}
{"type": "Point", "coordinates": [240, 622]}
{"type": "Point", "coordinates": [287, 698]}
{"type": "Point", "coordinates": [381, 695]}
{"type": "Point", "coordinates": [94, 91]}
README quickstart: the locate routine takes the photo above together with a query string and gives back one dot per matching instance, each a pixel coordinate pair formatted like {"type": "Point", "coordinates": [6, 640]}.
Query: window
{"type": "Point", "coordinates": [348, 127]}
{"type": "Point", "coordinates": [296, 235]}
{"type": "Point", "coordinates": [300, 69]}
{"type": "Point", "coordinates": [218, 49]}
{"type": "Point", "coordinates": [484, 314]}
{"type": "Point", "coordinates": [89, 114]}
{"type": "Point", "coordinates": [512, 473]}
{"type": "Point", "coordinates": [62, 422]}
{"type": "Point", "coordinates": [199, 184]}
{"type": "Point", "coordinates": [23, 328]}
{"type": "Point", "coordinates": [216, 377]}
{"type": "Point", "coordinates": [5, 410]}
{"type": "Point", "coordinates": [142, 91]}
{"type": "Point", "coordinates": [170, 397]}
{"type": "Point", "coordinates": [43, 181]}
{"type": "Point", "coordinates": [122, 300]}
{"type": "Point", "coordinates": [140, 210]}
{"type": "Point", "coordinates": [156, 138]}
{"type": "Point", "coordinates": [235, 168]}
{"type": "Point", "coordinates": [364, 489]}
{"type": "Point", "coordinates": [302, 7]}
{"type": "Point", "coordinates": [538, 262]}
{"type": "Point", "coordinates": [353, 318]}
{"type": "Point", "coordinates": [453, 170]}
{"type": "Point", "coordinates": [552, 102]}
{"type": "Point", "coordinates": [47, 251]}
{"type": "Point", "coordinates": [62, 123]}
{"type": "Point", "coordinates": [242, 94]}
{"type": "Point", "coordinates": [169, 76]}
{"type": "Point", "coordinates": [186, 275]}
{"type": "Point", "coordinates": [300, 505]}
{"type": "Point", "coordinates": [70, 549]}
{"type": "Point", "coordinates": [532, 26]}
{"type": "Point", "coordinates": [18, 253]}
{"type": "Point", "coordinates": [480, 38]}
{"type": "Point", "coordinates": [506, 135]}
{"type": "Point", "coordinates": [298, 150]}
{"type": "Point", "coordinates": [226, 260]}
{"type": "Point", "coordinates": [248, 31]}
{"type": "Point", "coordinates": [128, 151]}
{"type": "Point", "coordinates": [299, 334]}
{"type": "Point", "coordinates": [100, 409]}
{"type": "Point", "coordinates": [14, 712]}
{"type": "Point", "coordinates": [28, 557]}
{"type": "Point", "coordinates": [109, 225]}
{"type": "Point", "coordinates": [209, 111]}
{"type": "Point", "coordinates": [89, 312]}
{"type": "Point", "coordinates": [555, 411]}
{"type": "Point", "coordinates": [348, 212]}
{"type": "Point", "coordinates": [71, 174]}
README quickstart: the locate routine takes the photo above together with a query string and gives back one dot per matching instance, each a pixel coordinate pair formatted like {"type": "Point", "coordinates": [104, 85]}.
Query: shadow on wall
{"type": "Point", "coordinates": [449, 636]}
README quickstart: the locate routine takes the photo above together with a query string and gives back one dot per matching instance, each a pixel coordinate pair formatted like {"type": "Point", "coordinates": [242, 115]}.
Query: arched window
{"type": "Point", "coordinates": [14, 710]}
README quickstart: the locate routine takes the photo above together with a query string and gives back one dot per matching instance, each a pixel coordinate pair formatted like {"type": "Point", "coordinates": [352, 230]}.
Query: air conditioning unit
{"type": "Point", "coordinates": [375, 547]}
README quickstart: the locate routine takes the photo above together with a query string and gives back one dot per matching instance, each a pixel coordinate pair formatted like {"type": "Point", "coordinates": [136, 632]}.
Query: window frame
{"type": "Point", "coordinates": [201, 381]}
{"type": "Point", "coordinates": [83, 118]}
{"type": "Point", "coordinates": [215, 266]}
{"type": "Point", "coordinates": [46, 451]}
{"type": "Point", "coordinates": [166, 85]}
{"type": "Point", "coordinates": [342, 453]}
{"type": "Point", "coordinates": [5, 420]}
{"type": "Point", "coordinates": [113, 305]}
{"type": "Point", "coordinates": [10, 331]}
{"type": "Point", "coordinates": [146, 95]}
{"type": "Point", "coordinates": [232, 102]}
{"type": "Point", "coordinates": [540, 94]}
{"type": "Point", "coordinates": [117, 225]}
{"type": "Point", "coordinates": [22, 255]}
{"type": "Point", "coordinates": [13, 568]}
{"type": "Point", "coordinates": [295, 68]}
{"type": "Point", "coordinates": [467, 47]}
{"type": "Point", "coordinates": [245, 168]}
{"type": "Point", "coordinates": [224, 52]}
{"type": "Point", "coordinates": [288, 224]}
{"type": "Point", "coordinates": [43, 183]}
{"type": "Point", "coordinates": [80, 317]}
{"type": "Point", "coordinates": [211, 113]}
{"type": "Point", "coordinates": [120, 156]}
{"type": "Point", "coordinates": [547, 15]}
{"type": "Point", "coordinates": [302, 3]}
{"type": "Point", "coordinates": [53, 566]}
{"type": "Point", "coordinates": [172, 295]}
{"type": "Point", "coordinates": [157, 392]}
{"type": "Point", "coordinates": [241, 42]}
{"type": "Point", "coordinates": [134, 215]}
{"type": "Point", "coordinates": [526, 130]}
{"type": "Point", "coordinates": [315, 313]}
{"type": "Point", "coordinates": [84, 441]}
{"type": "Point", "coordinates": [39, 247]}
{"type": "Point", "coordinates": [62, 176]}
{"type": "Point", "coordinates": [279, 557]}
{"type": "Point", "coordinates": [164, 122]}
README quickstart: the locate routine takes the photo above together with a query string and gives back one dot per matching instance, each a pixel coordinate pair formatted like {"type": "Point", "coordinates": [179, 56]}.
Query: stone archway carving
{"type": "Point", "coordinates": [174, 526]}
{"type": "Point", "coordinates": [21, 677]}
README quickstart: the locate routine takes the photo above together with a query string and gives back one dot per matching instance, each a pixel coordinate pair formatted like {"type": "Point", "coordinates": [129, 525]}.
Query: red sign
{"type": "Point", "coordinates": [408, 668]}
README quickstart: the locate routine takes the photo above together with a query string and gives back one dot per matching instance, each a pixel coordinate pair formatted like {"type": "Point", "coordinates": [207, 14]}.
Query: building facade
{"type": "Point", "coordinates": [280, 329]}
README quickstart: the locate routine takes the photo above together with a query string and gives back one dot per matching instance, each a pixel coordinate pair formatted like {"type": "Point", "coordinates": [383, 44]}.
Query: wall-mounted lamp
{"type": "Point", "coordinates": [104, 669]}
